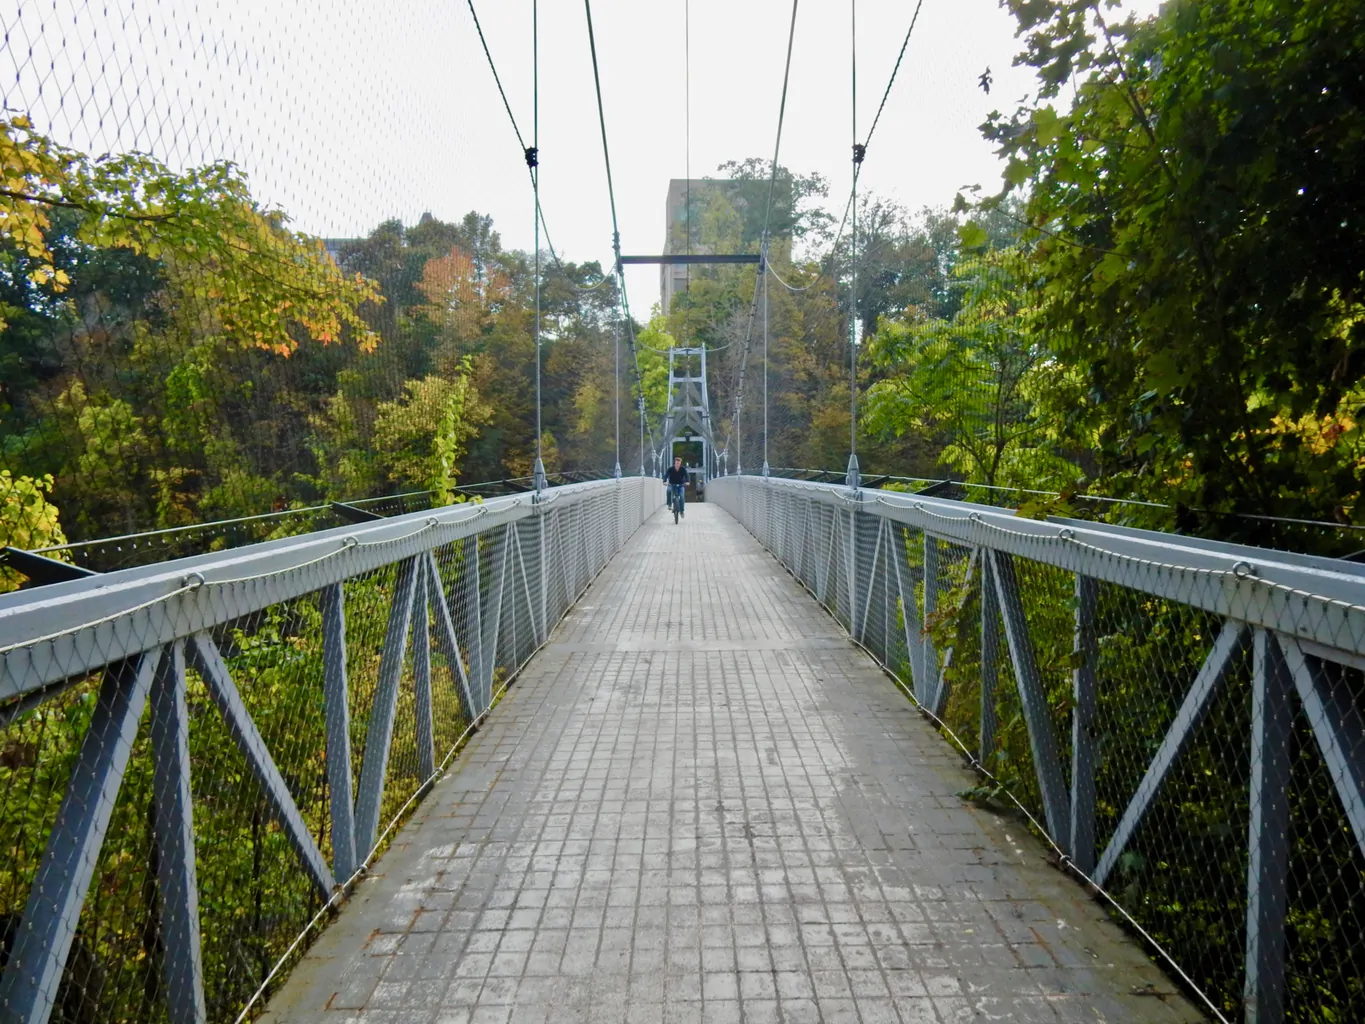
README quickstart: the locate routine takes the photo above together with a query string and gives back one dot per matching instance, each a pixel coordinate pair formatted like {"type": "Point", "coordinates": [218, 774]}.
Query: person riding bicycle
{"type": "Point", "coordinates": [675, 476]}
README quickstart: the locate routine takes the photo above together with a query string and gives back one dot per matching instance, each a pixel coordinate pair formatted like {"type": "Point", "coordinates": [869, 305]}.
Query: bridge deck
{"type": "Point", "coordinates": [701, 802]}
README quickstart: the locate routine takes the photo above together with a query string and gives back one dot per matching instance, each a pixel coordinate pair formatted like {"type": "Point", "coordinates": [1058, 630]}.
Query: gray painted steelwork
{"type": "Point", "coordinates": [1303, 615]}
{"type": "Point", "coordinates": [141, 627]}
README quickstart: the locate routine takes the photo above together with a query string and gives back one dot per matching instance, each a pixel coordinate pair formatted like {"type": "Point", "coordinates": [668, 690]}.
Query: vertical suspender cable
{"type": "Point", "coordinates": [533, 158]}
{"type": "Point", "coordinates": [858, 151]}
{"type": "Point", "coordinates": [763, 249]}
{"type": "Point", "coordinates": [763, 269]}
{"type": "Point", "coordinates": [616, 240]}
{"type": "Point", "coordinates": [616, 404]}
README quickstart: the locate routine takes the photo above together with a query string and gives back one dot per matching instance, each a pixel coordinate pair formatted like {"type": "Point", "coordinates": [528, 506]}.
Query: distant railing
{"type": "Point", "coordinates": [1311, 536]}
{"type": "Point", "coordinates": [1184, 720]}
{"type": "Point", "coordinates": [299, 695]}
{"type": "Point", "coordinates": [105, 554]}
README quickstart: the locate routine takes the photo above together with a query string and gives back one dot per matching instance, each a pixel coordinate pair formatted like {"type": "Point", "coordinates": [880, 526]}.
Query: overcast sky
{"type": "Point", "coordinates": [348, 112]}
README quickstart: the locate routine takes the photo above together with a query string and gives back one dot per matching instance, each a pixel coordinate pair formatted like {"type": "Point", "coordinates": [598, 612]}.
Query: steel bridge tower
{"type": "Point", "coordinates": [688, 417]}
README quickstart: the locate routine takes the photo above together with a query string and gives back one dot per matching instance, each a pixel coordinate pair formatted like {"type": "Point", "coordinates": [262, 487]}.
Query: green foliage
{"type": "Point", "coordinates": [1198, 245]}
{"type": "Point", "coordinates": [971, 381]}
{"type": "Point", "coordinates": [27, 519]}
{"type": "Point", "coordinates": [422, 436]}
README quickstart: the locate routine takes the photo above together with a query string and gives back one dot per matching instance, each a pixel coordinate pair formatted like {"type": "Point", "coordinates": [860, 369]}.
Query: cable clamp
{"type": "Point", "coordinates": [1066, 533]}
{"type": "Point", "coordinates": [1243, 569]}
{"type": "Point", "coordinates": [433, 522]}
{"type": "Point", "coordinates": [193, 581]}
{"type": "Point", "coordinates": [859, 151]}
{"type": "Point", "coordinates": [350, 541]}
{"type": "Point", "coordinates": [532, 156]}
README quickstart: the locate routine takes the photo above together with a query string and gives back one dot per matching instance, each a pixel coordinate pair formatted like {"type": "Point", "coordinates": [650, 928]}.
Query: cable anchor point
{"type": "Point", "coordinates": [532, 156]}
{"type": "Point", "coordinates": [859, 151]}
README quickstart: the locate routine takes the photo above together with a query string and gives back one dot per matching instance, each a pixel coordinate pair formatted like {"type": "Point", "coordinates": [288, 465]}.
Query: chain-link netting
{"type": "Point", "coordinates": [240, 280]}
{"type": "Point", "coordinates": [175, 821]}
{"type": "Point", "coordinates": [1171, 755]}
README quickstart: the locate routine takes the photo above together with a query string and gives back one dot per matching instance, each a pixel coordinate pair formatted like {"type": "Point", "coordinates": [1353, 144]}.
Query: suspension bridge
{"type": "Point", "coordinates": [833, 749]}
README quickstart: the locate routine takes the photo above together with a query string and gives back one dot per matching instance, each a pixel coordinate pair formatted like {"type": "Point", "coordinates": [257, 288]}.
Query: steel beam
{"type": "Point", "coordinates": [421, 670]}
{"type": "Point", "coordinates": [379, 735]}
{"type": "Point", "coordinates": [208, 662]}
{"type": "Point", "coordinates": [871, 578]}
{"type": "Point", "coordinates": [1231, 640]}
{"type": "Point", "coordinates": [909, 612]}
{"type": "Point", "coordinates": [450, 642]}
{"type": "Point", "coordinates": [173, 814]}
{"type": "Point", "coordinates": [1272, 721]}
{"type": "Point", "coordinates": [1033, 697]}
{"type": "Point", "coordinates": [942, 686]}
{"type": "Point", "coordinates": [493, 626]}
{"type": "Point", "coordinates": [33, 973]}
{"type": "Point", "coordinates": [990, 661]}
{"type": "Point", "coordinates": [1085, 649]}
{"type": "Point", "coordinates": [1337, 723]}
{"type": "Point", "coordinates": [928, 654]}
{"type": "Point", "coordinates": [473, 584]}
{"type": "Point", "coordinates": [337, 706]}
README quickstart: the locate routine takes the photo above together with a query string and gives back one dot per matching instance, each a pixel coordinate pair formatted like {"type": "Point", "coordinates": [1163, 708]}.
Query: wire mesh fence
{"type": "Point", "coordinates": [1184, 724]}
{"type": "Point", "coordinates": [107, 554]}
{"type": "Point", "coordinates": [241, 280]}
{"type": "Point", "coordinates": [192, 776]}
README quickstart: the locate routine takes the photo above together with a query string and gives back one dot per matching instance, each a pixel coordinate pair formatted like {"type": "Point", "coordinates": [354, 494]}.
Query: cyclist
{"type": "Point", "coordinates": [675, 476]}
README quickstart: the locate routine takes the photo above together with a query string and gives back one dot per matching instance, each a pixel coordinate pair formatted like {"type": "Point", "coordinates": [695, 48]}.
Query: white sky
{"type": "Point", "coordinates": [347, 112]}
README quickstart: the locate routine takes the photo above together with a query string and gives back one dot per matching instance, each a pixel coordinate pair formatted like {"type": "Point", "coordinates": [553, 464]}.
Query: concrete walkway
{"type": "Point", "coordinates": [701, 803]}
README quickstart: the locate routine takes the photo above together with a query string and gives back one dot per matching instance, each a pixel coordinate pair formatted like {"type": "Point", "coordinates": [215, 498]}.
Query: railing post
{"type": "Point", "coordinates": [541, 562]}
{"type": "Point", "coordinates": [177, 880]}
{"type": "Point", "coordinates": [421, 670]}
{"type": "Point", "coordinates": [445, 629]}
{"type": "Point", "coordinates": [990, 658]}
{"type": "Point", "coordinates": [336, 698]}
{"type": "Point", "coordinates": [473, 584]}
{"type": "Point", "coordinates": [1272, 719]}
{"type": "Point", "coordinates": [1032, 695]}
{"type": "Point", "coordinates": [852, 571]}
{"type": "Point", "coordinates": [379, 735]}
{"type": "Point", "coordinates": [1083, 727]}
{"type": "Point", "coordinates": [928, 678]}
{"type": "Point", "coordinates": [208, 662]}
{"type": "Point", "coordinates": [28, 988]}
{"type": "Point", "coordinates": [493, 622]}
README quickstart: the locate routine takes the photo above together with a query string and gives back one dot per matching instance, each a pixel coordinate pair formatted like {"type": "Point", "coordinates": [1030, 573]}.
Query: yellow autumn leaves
{"type": "Point", "coordinates": [260, 284]}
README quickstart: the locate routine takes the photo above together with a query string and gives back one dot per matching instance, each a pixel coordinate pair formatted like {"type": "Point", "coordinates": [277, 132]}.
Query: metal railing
{"type": "Point", "coordinates": [107, 554]}
{"type": "Point", "coordinates": [199, 757]}
{"type": "Point", "coordinates": [1182, 719]}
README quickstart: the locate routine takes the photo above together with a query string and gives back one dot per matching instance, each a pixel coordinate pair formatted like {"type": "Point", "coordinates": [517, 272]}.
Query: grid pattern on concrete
{"type": "Point", "coordinates": [701, 803]}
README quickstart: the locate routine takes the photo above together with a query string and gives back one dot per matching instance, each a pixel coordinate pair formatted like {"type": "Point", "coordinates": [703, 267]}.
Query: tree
{"type": "Point", "coordinates": [970, 382]}
{"type": "Point", "coordinates": [1199, 245]}
{"type": "Point", "coordinates": [27, 519]}
{"type": "Point", "coordinates": [422, 436]}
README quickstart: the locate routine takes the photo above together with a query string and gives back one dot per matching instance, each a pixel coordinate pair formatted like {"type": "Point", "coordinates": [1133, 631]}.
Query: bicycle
{"type": "Point", "coordinates": [675, 501]}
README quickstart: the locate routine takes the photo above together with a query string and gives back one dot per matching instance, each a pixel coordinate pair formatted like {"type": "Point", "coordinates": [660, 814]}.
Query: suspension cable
{"type": "Point", "coordinates": [827, 262]}
{"type": "Point", "coordinates": [763, 261]}
{"type": "Point", "coordinates": [616, 240]}
{"type": "Point", "coordinates": [854, 326]}
{"type": "Point", "coordinates": [892, 80]}
{"type": "Point", "coordinates": [521, 142]}
{"type": "Point", "coordinates": [533, 162]}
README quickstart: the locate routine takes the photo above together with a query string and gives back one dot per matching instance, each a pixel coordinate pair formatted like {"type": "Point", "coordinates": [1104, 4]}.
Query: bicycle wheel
{"type": "Point", "coordinates": [675, 511]}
